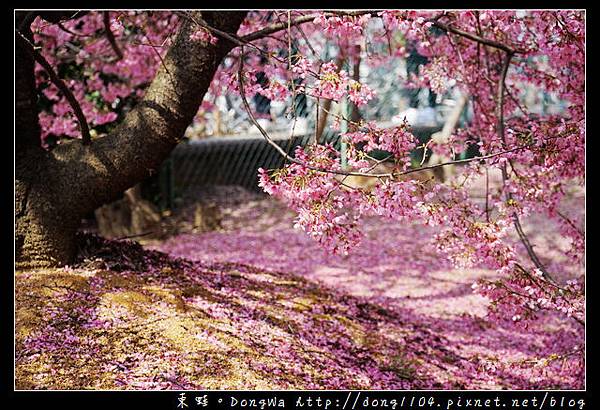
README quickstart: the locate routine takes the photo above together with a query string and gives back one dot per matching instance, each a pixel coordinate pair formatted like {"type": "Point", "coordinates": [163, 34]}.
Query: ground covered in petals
{"type": "Point", "coordinates": [258, 305]}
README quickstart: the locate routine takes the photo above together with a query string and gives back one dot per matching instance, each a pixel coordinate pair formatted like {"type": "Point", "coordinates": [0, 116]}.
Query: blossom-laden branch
{"type": "Point", "coordinates": [501, 136]}
{"type": "Point", "coordinates": [83, 125]}
{"type": "Point", "coordinates": [392, 175]}
{"type": "Point", "coordinates": [274, 28]}
{"type": "Point", "coordinates": [478, 38]}
{"type": "Point", "coordinates": [492, 43]}
{"type": "Point", "coordinates": [374, 13]}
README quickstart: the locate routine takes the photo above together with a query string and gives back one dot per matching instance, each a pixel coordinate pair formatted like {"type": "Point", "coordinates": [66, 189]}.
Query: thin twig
{"type": "Point", "coordinates": [571, 223]}
{"type": "Point", "coordinates": [71, 32]}
{"type": "Point", "coordinates": [425, 152]}
{"type": "Point", "coordinates": [487, 195]}
{"type": "Point", "coordinates": [154, 49]}
{"type": "Point", "coordinates": [474, 37]}
{"type": "Point", "coordinates": [274, 28]}
{"type": "Point", "coordinates": [240, 41]}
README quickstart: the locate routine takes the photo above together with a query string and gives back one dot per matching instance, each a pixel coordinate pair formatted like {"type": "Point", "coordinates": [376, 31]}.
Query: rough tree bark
{"type": "Point", "coordinates": [55, 189]}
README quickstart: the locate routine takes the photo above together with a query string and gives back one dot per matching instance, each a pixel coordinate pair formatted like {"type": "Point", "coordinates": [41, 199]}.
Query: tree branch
{"type": "Point", "coordinates": [139, 144]}
{"type": "Point", "coordinates": [54, 17]}
{"type": "Point", "coordinates": [474, 37]}
{"type": "Point", "coordinates": [59, 16]}
{"type": "Point", "coordinates": [571, 223]}
{"type": "Point", "coordinates": [500, 131]}
{"type": "Point", "coordinates": [351, 173]}
{"type": "Point", "coordinates": [227, 36]}
{"type": "Point", "coordinates": [83, 126]}
{"type": "Point", "coordinates": [274, 28]}
{"type": "Point", "coordinates": [27, 128]}
{"type": "Point", "coordinates": [111, 36]}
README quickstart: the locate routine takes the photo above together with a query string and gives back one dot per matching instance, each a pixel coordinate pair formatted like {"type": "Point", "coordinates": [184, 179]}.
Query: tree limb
{"type": "Point", "coordinates": [500, 131]}
{"type": "Point", "coordinates": [478, 39]}
{"type": "Point", "coordinates": [83, 126]}
{"type": "Point", "coordinates": [274, 28]}
{"type": "Point", "coordinates": [110, 36]}
{"type": "Point", "coordinates": [350, 173]}
{"type": "Point", "coordinates": [139, 144]}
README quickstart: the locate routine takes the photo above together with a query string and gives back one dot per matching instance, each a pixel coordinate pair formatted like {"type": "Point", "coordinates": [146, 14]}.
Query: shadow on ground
{"type": "Point", "coordinates": [129, 318]}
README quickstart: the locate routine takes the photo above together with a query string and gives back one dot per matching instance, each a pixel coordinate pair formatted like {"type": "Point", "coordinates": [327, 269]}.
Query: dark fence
{"type": "Point", "coordinates": [231, 160]}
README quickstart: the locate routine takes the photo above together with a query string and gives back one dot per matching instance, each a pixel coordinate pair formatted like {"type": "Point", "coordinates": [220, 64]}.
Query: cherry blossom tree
{"type": "Point", "coordinates": [490, 56]}
{"type": "Point", "coordinates": [157, 101]}
{"type": "Point", "coordinates": [118, 89]}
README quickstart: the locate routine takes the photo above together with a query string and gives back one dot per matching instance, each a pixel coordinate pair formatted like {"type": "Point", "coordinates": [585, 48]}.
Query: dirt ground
{"type": "Point", "coordinates": [256, 304]}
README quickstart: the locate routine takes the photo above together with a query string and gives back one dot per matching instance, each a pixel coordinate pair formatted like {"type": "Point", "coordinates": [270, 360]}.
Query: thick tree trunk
{"type": "Point", "coordinates": [44, 231]}
{"type": "Point", "coordinates": [54, 189]}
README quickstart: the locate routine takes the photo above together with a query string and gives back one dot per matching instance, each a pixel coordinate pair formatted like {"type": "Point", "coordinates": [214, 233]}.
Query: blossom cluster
{"type": "Point", "coordinates": [435, 76]}
{"type": "Point", "coordinates": [397, 140]}
{"type": "Point", "coordinates": [103, 84]}
{"type": "Point", "coordinates": [343, 26]}
{"type": "Point", "coordinates": [204, 35]}
{"type": "Point", "coordinates": [526, 294]}
{"type": "Point", "coordinates": [334, 84]}
{"type": "Point", "coordinates": [315, 196]}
